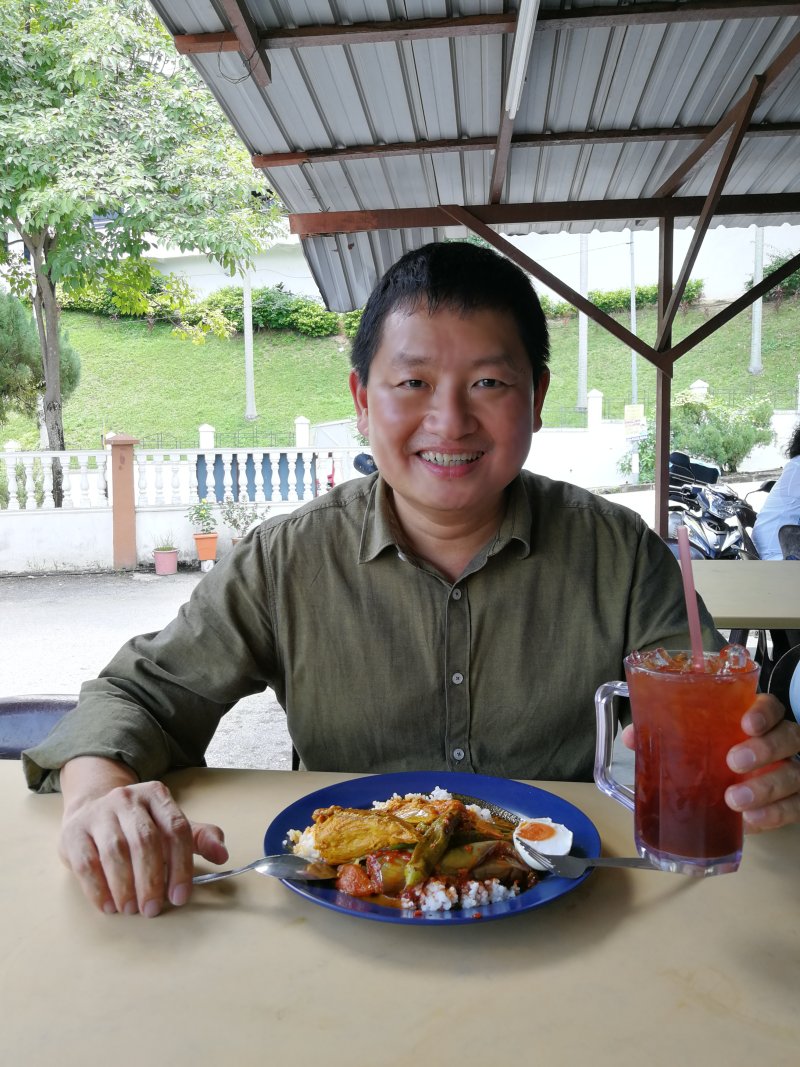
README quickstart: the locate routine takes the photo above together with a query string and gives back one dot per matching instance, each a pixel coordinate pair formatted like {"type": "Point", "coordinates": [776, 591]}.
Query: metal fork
{"type": "Point", "coordinates": [575, 866]}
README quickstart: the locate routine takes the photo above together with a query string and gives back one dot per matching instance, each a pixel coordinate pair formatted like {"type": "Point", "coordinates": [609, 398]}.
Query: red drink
{"type": "Point", "coordinates": [685, 723]}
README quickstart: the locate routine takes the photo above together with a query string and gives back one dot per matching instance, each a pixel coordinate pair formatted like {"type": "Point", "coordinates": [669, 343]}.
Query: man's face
{"type": "Point", "coordinates": [449, 411]}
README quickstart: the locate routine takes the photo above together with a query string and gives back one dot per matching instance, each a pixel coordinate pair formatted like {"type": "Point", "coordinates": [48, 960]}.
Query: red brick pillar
{"type": "Point", "coordinates": [124, 507]}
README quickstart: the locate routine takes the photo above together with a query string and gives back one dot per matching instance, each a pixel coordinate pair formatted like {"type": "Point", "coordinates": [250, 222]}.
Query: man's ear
{"type": "Point", "coordinates": [359, 394]}
{"type": "Point", "coordinates": [539, 393]}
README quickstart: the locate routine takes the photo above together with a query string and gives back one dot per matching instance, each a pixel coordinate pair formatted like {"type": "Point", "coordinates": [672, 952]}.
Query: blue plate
{"type": "Point", "coordinates": [516, 798]}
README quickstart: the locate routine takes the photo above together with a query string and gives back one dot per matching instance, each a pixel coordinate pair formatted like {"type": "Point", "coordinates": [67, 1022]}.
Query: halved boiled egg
{"type": "Point", "coordinates": [551, 838]}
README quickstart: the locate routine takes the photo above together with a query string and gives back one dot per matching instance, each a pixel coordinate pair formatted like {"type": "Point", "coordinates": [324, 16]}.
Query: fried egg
{"type": "Point", "coordinates": [551, 838]}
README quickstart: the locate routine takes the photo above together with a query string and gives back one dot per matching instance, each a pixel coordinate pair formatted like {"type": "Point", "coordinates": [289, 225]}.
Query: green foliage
{"type": "Point", "coordinates": [110, 137]}
{"type": "Point", "coordinates": [273, 308]}
{"type": "Point", "coordinates": [618, 301]}
{"type": "Point", "coordinates": [20, 357]}
{"type": "Point", "coordinates": [556, 309]}
{"type": "Point", "coordinates": [724, 435]}
{"type": "Point", "coordinates": [647, 457]}
{"type": "Point", "coordinates": [202, 516]}
{"type": "Point", "coordinates": [789, 287]}
{"type": "Point", "coordinates": [351, 321]}
{"type": "Point", "coordinates": [21, 378]}
{"type": "Point", "coordinates": [165, 542]}
{"type": "Point", "coordinates": [708, 429]}
{"type": "Point", "coordinates": [241, 515]}
{"type": "Point", "coordinates": [313, 320]}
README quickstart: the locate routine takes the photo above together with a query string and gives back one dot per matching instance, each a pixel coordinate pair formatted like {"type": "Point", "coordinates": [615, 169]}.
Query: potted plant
{"type": "Point", "coordinates": [201, 515]}
{"type": "Point", "coordinates": [165, 555]}
{"type": "Point", "coordinates": [240, 515]}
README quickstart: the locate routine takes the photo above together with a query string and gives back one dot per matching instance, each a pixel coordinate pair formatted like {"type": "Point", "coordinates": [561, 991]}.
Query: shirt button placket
{"type": "Point", "coordinates": [456, 673]}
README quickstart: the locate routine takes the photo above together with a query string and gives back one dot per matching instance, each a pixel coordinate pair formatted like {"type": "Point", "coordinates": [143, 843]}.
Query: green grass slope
{"type": "Point", "coordinates": [148, 383]}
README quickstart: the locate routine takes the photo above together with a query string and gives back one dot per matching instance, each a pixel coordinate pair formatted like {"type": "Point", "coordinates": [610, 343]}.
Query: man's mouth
{"type": "Point", "coordinates": [450, 459]}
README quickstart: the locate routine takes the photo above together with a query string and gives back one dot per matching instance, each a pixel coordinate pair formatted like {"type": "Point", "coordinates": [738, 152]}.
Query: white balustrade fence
{"type": "Point", "coordinates": [170, 479]}
{"type": "Point", "coordinates": [36, 536]}
{"type": "Point", "coordinates": [29, 479]}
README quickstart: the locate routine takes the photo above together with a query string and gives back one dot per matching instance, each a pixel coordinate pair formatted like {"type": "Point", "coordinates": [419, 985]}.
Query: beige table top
{"type": "Point", "coordinates": [631, 967]}
{"type": "Point", "coordinates": [750, 594]}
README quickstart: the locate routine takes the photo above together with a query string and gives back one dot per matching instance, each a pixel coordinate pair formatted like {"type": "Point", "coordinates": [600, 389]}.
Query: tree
{"type": "Point", "coordinates": [708, 429]}
{"type": "Point", "coordinates": [724, 435]}
{"type": "Point", "coordinates": [21, 359]}
{"type": "Point", "coordinates": [110, 140]}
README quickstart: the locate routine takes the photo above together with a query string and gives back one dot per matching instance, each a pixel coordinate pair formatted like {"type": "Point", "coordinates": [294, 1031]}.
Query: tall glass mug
{"type": "Point", "coordinates": [685, 721]}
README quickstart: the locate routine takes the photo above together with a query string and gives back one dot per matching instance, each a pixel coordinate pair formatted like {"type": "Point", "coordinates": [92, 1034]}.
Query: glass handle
{"type": "Point", "coordinates": [606, 732]}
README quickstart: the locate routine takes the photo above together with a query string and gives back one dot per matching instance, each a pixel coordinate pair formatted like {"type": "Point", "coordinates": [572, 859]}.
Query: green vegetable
{"type": "Point", "coordinates": [430, 849]}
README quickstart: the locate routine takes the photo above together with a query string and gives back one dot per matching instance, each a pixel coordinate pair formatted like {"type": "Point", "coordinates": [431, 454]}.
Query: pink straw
{"type": "Point", "coordinates": [695, 633]}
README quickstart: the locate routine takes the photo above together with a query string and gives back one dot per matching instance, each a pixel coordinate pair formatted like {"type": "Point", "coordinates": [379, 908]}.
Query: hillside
{"type": "Point", "coordinates": [148, 383]}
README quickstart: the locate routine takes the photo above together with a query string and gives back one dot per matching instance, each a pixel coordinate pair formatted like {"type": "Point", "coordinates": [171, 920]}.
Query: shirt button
{"type": "Point", "coordinates": [458, 753]}
{"type": "Point", "coordinates": [456, 594]}
{"type": "Point", "coordinates": [458, 678]}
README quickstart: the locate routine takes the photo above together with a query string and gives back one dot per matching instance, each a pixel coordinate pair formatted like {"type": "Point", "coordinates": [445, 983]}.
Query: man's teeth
{"type": "Point", "coordinates": [450, 459]}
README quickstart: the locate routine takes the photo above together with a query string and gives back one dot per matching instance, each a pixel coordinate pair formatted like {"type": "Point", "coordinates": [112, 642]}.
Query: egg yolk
{"type": "Point", "coordinates": [537, 831]}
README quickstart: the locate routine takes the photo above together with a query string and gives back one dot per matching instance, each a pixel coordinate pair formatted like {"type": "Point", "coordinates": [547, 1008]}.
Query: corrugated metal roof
{"type": "Point", "coordinates": [621, 77]}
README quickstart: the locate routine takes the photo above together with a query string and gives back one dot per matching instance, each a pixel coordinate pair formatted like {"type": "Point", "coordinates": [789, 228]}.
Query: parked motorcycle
{"type": "Point", "coordinates": [717, 519]}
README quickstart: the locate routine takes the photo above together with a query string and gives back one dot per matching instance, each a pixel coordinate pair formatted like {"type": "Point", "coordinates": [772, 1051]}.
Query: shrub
{"type": "Point", "coordinates": [94, 297]}
{"type": "Point", "coordinates": [351, 320]}
{"type": "Point", "coordinates": [229, 301]}
{"type": "Point", "coordinates": [313, 320]}
{"type": "Point", "coordinates": [273, 308]}
{"type": "Point", "coordinates": [789, 287]}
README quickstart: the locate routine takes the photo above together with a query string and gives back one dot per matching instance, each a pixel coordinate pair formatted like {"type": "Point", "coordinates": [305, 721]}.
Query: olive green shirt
{"type": "Point", "coordinates": [383, 664]}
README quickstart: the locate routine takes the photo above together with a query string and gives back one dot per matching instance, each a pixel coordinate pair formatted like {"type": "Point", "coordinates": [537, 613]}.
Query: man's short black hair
{"type": "Point", "coordinates": [793, 448]}
{"type": "Point", "coordinates": [459, 276]}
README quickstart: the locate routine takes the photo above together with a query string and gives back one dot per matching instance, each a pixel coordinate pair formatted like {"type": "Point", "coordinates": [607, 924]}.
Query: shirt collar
{"type": "Point", "coordinates": [379, 529]}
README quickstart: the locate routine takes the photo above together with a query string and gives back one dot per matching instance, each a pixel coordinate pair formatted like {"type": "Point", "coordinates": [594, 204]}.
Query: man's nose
{"type": "Point", "coordinates": [450, 413]}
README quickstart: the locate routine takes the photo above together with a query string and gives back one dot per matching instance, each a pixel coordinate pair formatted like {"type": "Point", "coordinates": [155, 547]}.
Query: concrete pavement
{"type": "Point", "coordinates": [58, 631]}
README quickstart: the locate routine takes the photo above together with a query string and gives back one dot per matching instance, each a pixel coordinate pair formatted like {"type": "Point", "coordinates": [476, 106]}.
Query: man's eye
{"type": "Point", "coordinates": [413, 383]}
{"type": "Point", "coordinates": [489, 383]}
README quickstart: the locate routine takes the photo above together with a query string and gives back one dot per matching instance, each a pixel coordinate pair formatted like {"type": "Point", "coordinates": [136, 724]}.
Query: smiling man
{"type": "Point", "coordinates": [450, 612]}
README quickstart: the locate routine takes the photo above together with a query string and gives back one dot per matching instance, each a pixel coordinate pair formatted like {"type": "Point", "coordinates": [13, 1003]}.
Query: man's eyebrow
{"type": "Point", "coordinates": [418, 359]}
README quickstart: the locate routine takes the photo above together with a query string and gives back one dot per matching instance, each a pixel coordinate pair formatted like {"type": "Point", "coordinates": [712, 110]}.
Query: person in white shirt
{"type": "Point", "coordinates": [782, 506]}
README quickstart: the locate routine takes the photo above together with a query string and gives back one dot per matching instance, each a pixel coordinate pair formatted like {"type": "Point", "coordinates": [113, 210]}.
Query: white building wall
{"type": "Point", "coordinates": [283, 263]}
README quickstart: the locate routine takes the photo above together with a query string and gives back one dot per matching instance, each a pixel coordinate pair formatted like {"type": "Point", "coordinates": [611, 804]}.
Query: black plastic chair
{"type": "Point", "coordinates": [27, 720]}
{"type": "Point", "coordinates": [784, 682]}
{"type": "Point", "coordinates": [789, 540]}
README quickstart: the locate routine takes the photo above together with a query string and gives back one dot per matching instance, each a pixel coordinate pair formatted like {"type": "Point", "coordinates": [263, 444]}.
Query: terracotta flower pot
{"type": "Point", "coordinates": [166, 560]}
{"type": "Point", "coordinates": [206, 546]}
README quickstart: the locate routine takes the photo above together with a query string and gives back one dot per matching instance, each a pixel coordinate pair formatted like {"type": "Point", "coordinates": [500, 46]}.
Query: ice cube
{"type": "Point", "coordinates": [658, 659]}
{"type": "Point", "coordinates": [734, 658]}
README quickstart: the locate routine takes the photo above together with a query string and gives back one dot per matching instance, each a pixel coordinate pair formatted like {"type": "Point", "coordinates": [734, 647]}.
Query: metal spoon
{"type": "Point", "coordinates": [285, 865]}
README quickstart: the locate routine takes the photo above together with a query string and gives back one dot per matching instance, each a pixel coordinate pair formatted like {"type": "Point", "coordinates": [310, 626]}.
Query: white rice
{"type": "Point", "coordinates": [303, 843]}
{"type": "Point", "coordinates": [435, 794]}
{"type": "Point", "coordinates": [438, 896]}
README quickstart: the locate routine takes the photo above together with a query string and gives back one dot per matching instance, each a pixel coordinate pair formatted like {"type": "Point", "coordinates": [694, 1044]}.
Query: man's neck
{"type": "Point", "coordinates": [448, 542]}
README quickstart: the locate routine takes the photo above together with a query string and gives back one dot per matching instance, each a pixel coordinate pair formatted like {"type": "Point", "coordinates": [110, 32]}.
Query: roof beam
{"type": "Point", "coordinates": [748, 106]}
{"type": "Point", "coordinates": [356, 33]}
{"type": "Point", "coordinates": [267, 160]}
{"type": "Point", "coordinates": [472, 25]}
{"type": "Point", "coordinates": [461, 217]}
{"type": "Point", "coordinates": [251, 48]}
{"type": "Point", "coordinates": [735, 308]}
{"type": "Point", "coordinates": [665, 13]}
{"type": "Point", "coordinates": [319, 223]}
{"type": "Point", "coordinates": [502, 150]}
{"type": "Point", "coordinates": [772, 76]}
